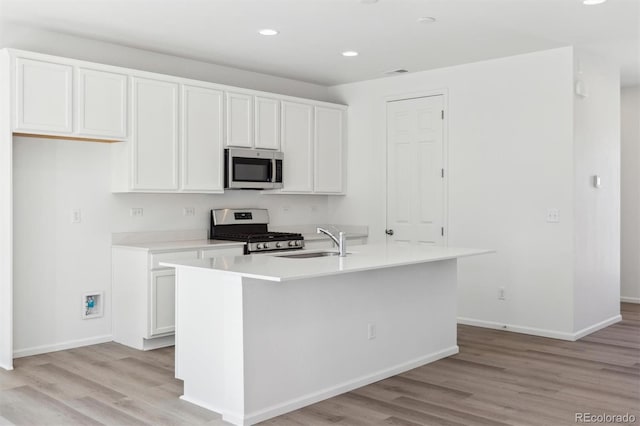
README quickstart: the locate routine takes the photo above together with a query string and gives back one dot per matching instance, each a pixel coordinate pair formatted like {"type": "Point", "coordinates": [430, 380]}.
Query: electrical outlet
{"type": "Point", "coordinates": [371, 331]}
{"type": "Point", "coordinates": [137, 212]}
{"type": "Point", "coordinates": [76, 216]}
{"type": "Point", "coordinates": [501, 293]}
{"type": "Point", "coordinates": [189, 211]}
{"type": "Point", "coordinates": [553, 215]}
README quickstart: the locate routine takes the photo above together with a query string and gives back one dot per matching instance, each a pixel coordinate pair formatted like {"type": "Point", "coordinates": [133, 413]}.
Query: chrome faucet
{"type": "Point", "coordinates": [341, 241]}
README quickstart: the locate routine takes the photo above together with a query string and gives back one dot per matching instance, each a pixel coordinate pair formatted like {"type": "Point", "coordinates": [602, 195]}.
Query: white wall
{"type": "Point", "coordinates": [52, 43]}
{"type": "Point", "coordinates": [630, 235]}
{"type": "Point", "coordinates": [56, 261]}
{"type": "Point", "coordinates": [597, 211]}
{"type": "Point", "coordinates": [510, 141]}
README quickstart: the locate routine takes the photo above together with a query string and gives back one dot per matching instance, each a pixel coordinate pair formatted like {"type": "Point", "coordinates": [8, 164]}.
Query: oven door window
{"type": "Point", "coordinates": [251, 169]}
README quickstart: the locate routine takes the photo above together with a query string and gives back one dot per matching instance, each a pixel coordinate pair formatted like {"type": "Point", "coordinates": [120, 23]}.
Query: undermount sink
{"type": "Point", "coordinates": [306, 255]}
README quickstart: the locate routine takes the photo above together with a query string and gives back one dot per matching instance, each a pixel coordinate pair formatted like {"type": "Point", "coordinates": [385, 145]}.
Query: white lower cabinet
{"type": "Point", "coordinates": [162, 307]}
{"type": "Point", "coordinates": [144, 293]}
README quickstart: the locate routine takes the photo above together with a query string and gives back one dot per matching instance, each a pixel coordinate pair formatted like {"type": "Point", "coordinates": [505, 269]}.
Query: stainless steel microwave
{"type": "Point", "coordinates": [246, 168]}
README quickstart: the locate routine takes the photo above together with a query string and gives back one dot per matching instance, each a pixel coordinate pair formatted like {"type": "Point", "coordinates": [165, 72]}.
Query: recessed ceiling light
{"type": "Point", "coordinates": [350, 53]}
{"type": "Point", "coordinates": [426, 19]}
{"type": "Point", "coordinates": [268, 32]}
{"type": "Point", "coordinates": [592, 2]}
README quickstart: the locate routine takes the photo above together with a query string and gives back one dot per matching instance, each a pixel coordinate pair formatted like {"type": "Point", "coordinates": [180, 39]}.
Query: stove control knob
{"type": "Point", "coordinates": [266, 245]}
{"type": "Point", "coordinates": [292, 243]}
{"type": "Point", "coordinates": [258, 246]}
{"type": "Point", "coordinates": [278, 245]}
{"type": "Point", "coordinates": [298, 243]}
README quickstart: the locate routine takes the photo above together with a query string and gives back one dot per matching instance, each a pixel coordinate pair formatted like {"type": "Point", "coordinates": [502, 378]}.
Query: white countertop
{"type": "Point", "coordinates": [180, 245]}
{"type": "Point", "coordinates": [271, 267]}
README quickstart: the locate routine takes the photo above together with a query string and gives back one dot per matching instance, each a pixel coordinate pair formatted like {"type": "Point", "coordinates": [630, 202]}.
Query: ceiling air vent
{"type": "Point", "coordinates": [394, 72]}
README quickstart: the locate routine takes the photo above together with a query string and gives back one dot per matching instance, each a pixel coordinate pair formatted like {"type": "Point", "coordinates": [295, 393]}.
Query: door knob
{"type": "Point", "coordinates": [388, 231]}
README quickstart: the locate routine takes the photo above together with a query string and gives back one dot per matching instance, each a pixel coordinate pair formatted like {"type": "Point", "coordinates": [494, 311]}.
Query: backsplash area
{"type": "Point", "coordinates": [65, 215]}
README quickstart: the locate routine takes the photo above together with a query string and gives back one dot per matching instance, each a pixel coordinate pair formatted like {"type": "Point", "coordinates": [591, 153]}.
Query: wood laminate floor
{"type": "Point", "coordinates": [497, 378]}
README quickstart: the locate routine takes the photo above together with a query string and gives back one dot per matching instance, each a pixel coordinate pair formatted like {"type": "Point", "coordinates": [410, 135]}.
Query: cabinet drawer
{"type": "Point", "coordinates": [175, 255]}
{"type": "Point", "coordinates": [229, 251]}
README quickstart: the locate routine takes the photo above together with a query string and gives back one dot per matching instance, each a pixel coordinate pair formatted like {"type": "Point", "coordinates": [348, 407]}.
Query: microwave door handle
{"type": "Point", "coordinates": [270, 172]}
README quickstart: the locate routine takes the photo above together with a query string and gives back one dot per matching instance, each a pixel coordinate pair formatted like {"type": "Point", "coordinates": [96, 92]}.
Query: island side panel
{"type": "Point", "coordinates": [209, 339]}
{"type": "Point", "coordinates": [307, 340]}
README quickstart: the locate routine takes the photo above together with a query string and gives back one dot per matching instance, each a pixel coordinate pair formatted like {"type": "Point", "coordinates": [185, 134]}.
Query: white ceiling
{"type": "Point", "coordinates": [314, 32]}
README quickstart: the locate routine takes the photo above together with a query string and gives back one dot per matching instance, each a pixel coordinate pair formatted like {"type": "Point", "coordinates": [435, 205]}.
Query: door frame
{"type": "Point", "coordinates": [446, 157]}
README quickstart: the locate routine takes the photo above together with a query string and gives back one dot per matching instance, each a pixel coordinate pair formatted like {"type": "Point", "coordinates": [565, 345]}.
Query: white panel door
{"type": "Point", "coordinates": [328, 161]}
{"type": "Point", "coordinates": [163, 301]}
{"type": "Point", "coordinates": [154, 135]}
{"type": "Point", "coordinates": [415, 164]}
{"type": "Point", "coordinates": [43, 97]}
{"type": "Point", "coordinates": [102, 104]}
{"type": "Point", "coordinates": [202, 135]}
{"type": "Point", "coordinates": [297, 146]}
{"type": "Point", "coordinates": [267, 123]}
{"type": "Point", "coordinates": [239, 120]}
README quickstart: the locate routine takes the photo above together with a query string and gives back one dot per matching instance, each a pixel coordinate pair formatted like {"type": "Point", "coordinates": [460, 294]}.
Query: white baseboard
{"type": "Point", "coordinates": [312, 398]}
{"type": "Point", "coordinates": [553, 334]}
{"type": "Point", "coordinates": [158, 342]}
{"type": "Point", "coordinates": [595, 327]}
{"type": "Point", "coordinates": [70, 344]}
{"type": "Point", "coordinates": [630, 299]}
{"type": "Point", "coordinates": [6, 367]}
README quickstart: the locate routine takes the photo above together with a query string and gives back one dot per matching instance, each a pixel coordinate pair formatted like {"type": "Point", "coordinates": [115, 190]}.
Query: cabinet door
{"type": "Point", "coordinates": [43, 97]}
{"type": "Point", "coordinates": [163, 302]}
{"type": "Point", "coordinates": [239, 120]}
{"type": "Point", "coordinates": [154, 135]}
{"type": "Point", "coordinates": [201, 139]}
{"type": "Point", "coordinates": [328, 150]}
{"type": "Point", "coordinates": [267, 123]}
{"type": "Point", "coordinates": [102, 104]}
{"type": "Point", "coordinates": [297, 145]}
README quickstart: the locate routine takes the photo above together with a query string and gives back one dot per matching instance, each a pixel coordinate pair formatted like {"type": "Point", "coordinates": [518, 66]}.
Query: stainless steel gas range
{"type": "Point", "coordinates": [250, 226]}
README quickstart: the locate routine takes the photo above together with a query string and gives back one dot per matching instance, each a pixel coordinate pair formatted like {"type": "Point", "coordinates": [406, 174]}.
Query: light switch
{"type": "Point", "coordinates": [76, 216]}
{"type": "Point", "coordinates": [553, 215]}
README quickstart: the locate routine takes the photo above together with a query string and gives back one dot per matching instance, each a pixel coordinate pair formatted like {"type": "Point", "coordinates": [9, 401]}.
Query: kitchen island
{"type": "Point", "coordinates": [258, 336]}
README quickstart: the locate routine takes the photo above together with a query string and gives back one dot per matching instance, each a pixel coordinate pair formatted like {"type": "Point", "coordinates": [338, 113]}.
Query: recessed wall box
{"type": "Point", "coordinates": [93, 305]}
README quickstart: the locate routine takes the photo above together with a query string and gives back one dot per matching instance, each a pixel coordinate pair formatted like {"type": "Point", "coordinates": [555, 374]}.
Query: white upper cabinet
{"type": "Point", "coordinates": [297, 146]}
{"type": "Point", "coordinates": [202, 133]}
{"type": "Point", "coordinates": [239, 120]}
{"type": "Point", "coordinates": [267, 123]}
{"type": "Point", "coordinates": [328, 144]}
{"type": "Point", "coordinates": [174, 130]}
{"type": "Point", "coordinates": [44, 97]}
{"type": "Point", "coordinates": [154, 135]}
{"type": "Point", "coordinates": [102, 104]}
